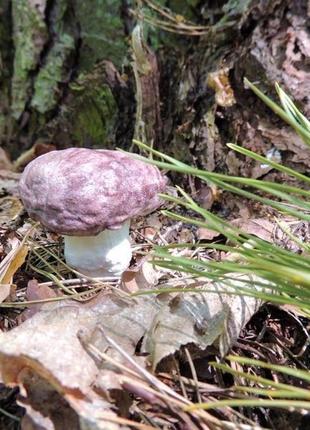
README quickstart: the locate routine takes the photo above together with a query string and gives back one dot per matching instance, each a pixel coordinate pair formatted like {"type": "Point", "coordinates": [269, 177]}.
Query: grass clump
{"type": "Point", "coordinates": [285, 272]}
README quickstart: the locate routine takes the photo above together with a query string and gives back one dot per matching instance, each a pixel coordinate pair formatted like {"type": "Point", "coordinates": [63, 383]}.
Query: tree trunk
{"type": "Point", "coordinates": [69, 77]}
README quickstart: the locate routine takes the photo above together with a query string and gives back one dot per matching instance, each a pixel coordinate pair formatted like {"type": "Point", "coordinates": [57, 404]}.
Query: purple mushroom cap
{"type": "Point", "coordinates": [80, 192]}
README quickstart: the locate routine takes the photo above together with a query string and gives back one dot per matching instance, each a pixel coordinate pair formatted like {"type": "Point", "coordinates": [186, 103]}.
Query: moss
{"type": "Point", "coordinates": [46, 84]}
{"type": "Point", "coordinates": [102, 32]}
{"type": "Point", "coordinates": [95, 117]}
{"type": "Point", "coordinates": [56, 61]}
{"type": "Point", "coordinates": [29, 36]}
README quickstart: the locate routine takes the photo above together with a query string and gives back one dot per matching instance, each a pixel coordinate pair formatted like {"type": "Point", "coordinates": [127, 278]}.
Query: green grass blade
{"type": "Point", "coordinates": [264, 160]}
{"type": "Point", "coordinates": [280, 112]}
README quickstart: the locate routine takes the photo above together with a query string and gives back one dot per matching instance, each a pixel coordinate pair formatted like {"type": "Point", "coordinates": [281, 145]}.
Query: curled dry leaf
{"type": "Point", "coordinates": [13, 261]}
{"type": "Point", "coordinates": [145, 276]}
{"type": "Point", "coordinates": [260, 227]}
{"type": "Point", "coordinates": [202, 319]}
{"type": "Point", "coordinates": [35, 291]}
{"type": "Point", "coordinates": [39, 148]}
{"type": "Point", "coordinates": [219, 82]}
{"type": "Point", "coordinates": [47, 354]}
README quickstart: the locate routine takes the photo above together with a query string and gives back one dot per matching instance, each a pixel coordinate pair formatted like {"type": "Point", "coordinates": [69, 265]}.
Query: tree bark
{"type": "Point", "coordinates": [67, 77]}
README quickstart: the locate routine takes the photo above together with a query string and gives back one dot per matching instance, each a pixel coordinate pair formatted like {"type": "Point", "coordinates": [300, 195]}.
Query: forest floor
{"type": "Point", "coordinates": [90, 359]}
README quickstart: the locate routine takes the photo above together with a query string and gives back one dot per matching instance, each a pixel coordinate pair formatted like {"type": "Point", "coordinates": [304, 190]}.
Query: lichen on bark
{"type": "Point", "coordinates": [56, 64]}
{"type": "Point", "coordinates": [87, 117]}
{"type": "Point", "coordinates": [45, 87]}
{"type": "Point", "coordinates": [29, 36]}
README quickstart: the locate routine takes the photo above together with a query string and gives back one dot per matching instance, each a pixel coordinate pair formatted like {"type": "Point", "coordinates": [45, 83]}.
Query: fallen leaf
{"type": "Point", "coordinates": [35, 291]}
{"type": "Point", "coordinates": [219, 82]}
{"type": "Point", "coordinates": [47, 360]}
{"type": "Point", "coordinates": [260, 227]}
{"type": "Point", "coordinates": [46, 355]}
{"type": "Point", "coordinates": [207, 234]}
{"type": "Point", "coordinates": [129, 283]}
{"type": "Point", "coordinates": [40, 147]}
{"type": "Point", "coordinates": [144, 277]}
{"type": "Point", "coordinates": [12, 262]}
{"type": "Point", "coordinates": [61, 410]}
{"type": "Point", "coordinates": [201, 319]}
{"type": "Point", "coordinates": [49, 354]}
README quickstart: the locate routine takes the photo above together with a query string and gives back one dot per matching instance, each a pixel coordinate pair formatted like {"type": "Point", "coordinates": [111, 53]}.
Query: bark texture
{"type": "Point", "coordinates": [67, 77]}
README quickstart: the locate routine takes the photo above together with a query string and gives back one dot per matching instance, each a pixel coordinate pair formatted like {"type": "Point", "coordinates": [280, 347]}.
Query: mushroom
{"type": "Point", "coordinates": [89, 197]}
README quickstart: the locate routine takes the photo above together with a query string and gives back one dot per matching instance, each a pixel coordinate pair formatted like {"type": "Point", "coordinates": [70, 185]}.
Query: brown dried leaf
{"type": "Point", "coordinates": [206, 234]}
{"type": "Point", "coordinates": [12, 262]}
{"type": "Point", "coordinates": [40, 147]}
{"type": "Point", "coordinates": [64, 325]}
{"type": "Point", "coordinates": [60, 410]}
{"type": "Point", "coordinates": [219, 82]}
{"type": "Point", "coordinates": [50, 354]}
{"type": "Point", "coordinates": [35, 291]}
{"type": "Point", "coordinates": [260, 227]}
{"type": "Point", "coordinates": [45, 358]}
{"type": "Point", "coordinates": [144, 277]}
{"type": "Point", "coordinates": [201, 320]}
{"type": "Point", "coordinates": [207, 195]}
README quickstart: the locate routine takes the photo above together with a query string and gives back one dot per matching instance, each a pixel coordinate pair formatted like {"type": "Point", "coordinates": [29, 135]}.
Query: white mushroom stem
{"type": "Point", "coordinates": [106, 255]}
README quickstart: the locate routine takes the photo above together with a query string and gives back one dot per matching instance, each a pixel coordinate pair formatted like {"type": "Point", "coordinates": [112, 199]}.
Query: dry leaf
{"type": "Point", "coordinates": [202, 319]}
{"type": "Point", "coordinates": [207, 195]}
{"type": "Point", "coordinates": [260, 227]}
{"type": "Point", "coordinates": [207, 234]}
{"type": "Point", "coordinates": [145, 276]}
{"type": "Point", "coordinates": [35, 291]}
{"type": "Point", "coordinates": [129, 283]}
{"type": "Point", "coordinates": [219, 82]}
{"type": "Point", "coordinates": [49, 354]}
{"type": "Point", "coordinates": [60, 410]}
{"type": "Point", "coordinates": [46, 359]}
{"type": "Point", "coordinates": [40, 147]}
{"type": "Point", "coordinates": [12, 262]}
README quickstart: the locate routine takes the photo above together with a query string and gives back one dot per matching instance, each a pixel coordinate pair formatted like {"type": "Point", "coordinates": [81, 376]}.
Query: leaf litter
{"type": "Point", "coordinates": [84, 345]}
{"type": "Point", "coordinates": [50, 350]}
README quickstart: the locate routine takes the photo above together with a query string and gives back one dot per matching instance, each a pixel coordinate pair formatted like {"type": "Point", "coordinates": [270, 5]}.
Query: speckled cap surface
{"type": "Point", "coordinates": [80, 192]}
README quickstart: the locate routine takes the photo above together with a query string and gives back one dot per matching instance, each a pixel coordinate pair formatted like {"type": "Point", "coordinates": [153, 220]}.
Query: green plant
{"type": "Point", "coordinates": [287, 273]}
{"type": "Point", "coordinates": [284, 274]}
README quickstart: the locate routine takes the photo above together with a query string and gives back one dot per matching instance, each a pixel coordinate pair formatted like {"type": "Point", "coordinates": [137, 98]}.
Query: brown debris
{"type": "Point", "coordinates": [219, 82]}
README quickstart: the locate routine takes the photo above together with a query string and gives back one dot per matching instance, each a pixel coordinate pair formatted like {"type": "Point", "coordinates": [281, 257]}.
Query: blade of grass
{"type": "Point", "coordinates": [296, 373]}
{"type": "Point", "coordinates": [264, 160]}
{"type": "Point", "coordinates": [254, 402]}
{"type": "Point", "coordinates": [280, 112]}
